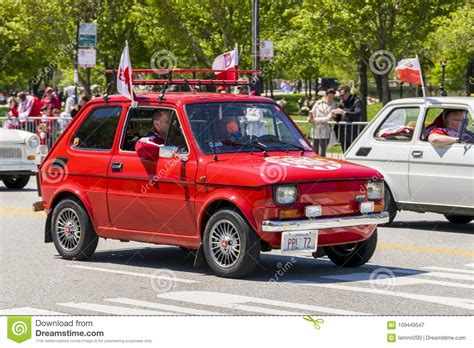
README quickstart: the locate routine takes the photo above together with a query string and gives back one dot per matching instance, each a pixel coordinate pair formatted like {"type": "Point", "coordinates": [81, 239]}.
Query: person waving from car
{"type": "Point", "coordinates": [149, 145]}
{"type": "Point", "coordinates": [446, 128]}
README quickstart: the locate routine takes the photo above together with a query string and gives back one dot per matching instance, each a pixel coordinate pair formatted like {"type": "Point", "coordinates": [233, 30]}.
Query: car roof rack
{"type": "Point", "coordinates": [169, 80]}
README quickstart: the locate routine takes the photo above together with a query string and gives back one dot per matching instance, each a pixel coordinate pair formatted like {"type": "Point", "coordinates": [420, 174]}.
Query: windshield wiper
{"type": "Point", "coordinates": [277, 141]}
{"type": "Point", "coordinates": [255, 144]}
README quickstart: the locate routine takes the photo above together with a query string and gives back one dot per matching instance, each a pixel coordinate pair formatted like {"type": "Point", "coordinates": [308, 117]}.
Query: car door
{"type": "Point", "coordinates": [441, 176]}
{"type": "Point", "coordinates": [385, 146]}
{"type": "Point", "coordinates": [86, 157]}
{"type": "Point", "coordinates": [152, 195]}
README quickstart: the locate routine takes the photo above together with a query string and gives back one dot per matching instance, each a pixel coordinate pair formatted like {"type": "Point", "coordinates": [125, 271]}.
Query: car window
{"type": "Point", "coordinates": [98, 130]}
{"type": "Point", "coordinates": [140, 124]}
{"type": "Point", "coordinates": [434, 119]}
{"type": "Point", "coordinates": [399, 125]}
{"type": "Point", "coordinates": [243, 127]}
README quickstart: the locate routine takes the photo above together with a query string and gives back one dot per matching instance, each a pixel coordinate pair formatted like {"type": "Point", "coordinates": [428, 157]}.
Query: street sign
{"type": "Point", "coordinates": [87, 36]}
{"type": "Point", "coordinates": [266, 50]}
{"type": "Point", "coordinates": [86, 57]}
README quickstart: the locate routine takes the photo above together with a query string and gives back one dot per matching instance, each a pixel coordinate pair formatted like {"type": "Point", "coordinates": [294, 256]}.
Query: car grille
{"type": "Point", "coordinates": [10, 152]}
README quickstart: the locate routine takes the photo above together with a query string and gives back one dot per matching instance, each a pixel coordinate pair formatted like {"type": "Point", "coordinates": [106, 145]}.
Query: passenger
{"type": "Point", "coordinates": [445, 129]}
{"type": "Point", "coordinates": [149, 145]}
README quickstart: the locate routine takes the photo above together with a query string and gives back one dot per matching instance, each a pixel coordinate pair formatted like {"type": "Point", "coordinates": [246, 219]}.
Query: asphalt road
{"type": "Point", "coordinates": [423, 266]}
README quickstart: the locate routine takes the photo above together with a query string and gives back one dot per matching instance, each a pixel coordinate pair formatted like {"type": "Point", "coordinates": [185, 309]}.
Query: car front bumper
{"type": "Point", "coordinates": [318, 224]}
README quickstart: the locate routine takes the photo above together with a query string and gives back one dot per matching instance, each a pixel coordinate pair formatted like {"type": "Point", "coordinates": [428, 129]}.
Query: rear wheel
{"type": "Point", "coordinates": [231, 247]}
{"type": "Point", "coordinates": [354, 254]}
{"type": "Point", "coordinates": [390, 205]}
{"type": "Point", "coordinates": [16, 182]}
{"type": "Point", "coordinates": [459, 219]}
{"type": "Point", "coordinates": [72, 231]}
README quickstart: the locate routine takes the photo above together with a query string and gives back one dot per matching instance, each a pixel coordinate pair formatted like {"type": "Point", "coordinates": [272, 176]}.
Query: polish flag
{"type": "Point", "coordinates": [124, 76]}
{"type": "Point", "coordinates": [409, 70]}
{"type": "Point", "coordinates": [228, 61]}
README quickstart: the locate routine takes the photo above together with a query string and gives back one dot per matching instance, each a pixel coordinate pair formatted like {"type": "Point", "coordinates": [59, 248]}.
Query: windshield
{"type": "Point", "coordinates": [243, 127]}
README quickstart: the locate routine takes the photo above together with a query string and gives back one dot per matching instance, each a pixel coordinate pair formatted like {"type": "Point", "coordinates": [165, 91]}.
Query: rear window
{"type": "Point", "coordinates": [98, 130]}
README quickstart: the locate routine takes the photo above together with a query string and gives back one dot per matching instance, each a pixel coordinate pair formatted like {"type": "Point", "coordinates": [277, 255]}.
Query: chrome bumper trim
{"type": "Point", "coordinates": [317, 224]}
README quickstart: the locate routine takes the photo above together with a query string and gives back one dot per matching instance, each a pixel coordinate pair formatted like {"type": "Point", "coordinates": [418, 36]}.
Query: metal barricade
{"type": "Point", "coordinates": [51, 127]}
{"type": "Point", "coordinates": [345, 133]}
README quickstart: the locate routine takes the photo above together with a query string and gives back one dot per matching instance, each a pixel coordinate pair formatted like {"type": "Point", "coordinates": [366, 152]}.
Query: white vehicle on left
{"type": "Point", "coordinates": [18, 157]}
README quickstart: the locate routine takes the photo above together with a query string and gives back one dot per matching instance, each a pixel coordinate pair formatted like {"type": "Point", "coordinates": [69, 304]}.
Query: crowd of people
{"type": "Point", "coordinates": [34, 114]}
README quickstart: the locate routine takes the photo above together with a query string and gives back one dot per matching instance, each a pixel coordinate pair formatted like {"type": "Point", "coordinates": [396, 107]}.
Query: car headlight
{"type": "Point", "coordinates": [32, 142]}
{"type": "Point", "coordinates": [375, 190]}
{"type": "Point", "coordinates": [284, 195]}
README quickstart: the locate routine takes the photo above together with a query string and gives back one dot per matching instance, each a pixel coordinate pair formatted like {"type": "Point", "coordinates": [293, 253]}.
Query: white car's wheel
{"type": "Point", "coordinates": [459, 219]}
{"type": "Point", "coordinates": [16, 182]}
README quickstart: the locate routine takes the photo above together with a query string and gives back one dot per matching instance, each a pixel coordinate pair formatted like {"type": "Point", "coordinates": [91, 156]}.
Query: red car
{"type": "Point", "coordinates": [226, 175]}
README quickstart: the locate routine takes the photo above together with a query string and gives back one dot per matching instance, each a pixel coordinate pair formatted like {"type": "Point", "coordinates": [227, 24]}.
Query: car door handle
{"type": "Point", "coordinates": [417, 154]}
{"type": "Point", "coordinates": [116, 166]}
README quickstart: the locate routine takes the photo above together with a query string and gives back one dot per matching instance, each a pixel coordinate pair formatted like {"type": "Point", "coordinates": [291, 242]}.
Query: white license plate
{"type": "Point", "coordinates": [301, 241]}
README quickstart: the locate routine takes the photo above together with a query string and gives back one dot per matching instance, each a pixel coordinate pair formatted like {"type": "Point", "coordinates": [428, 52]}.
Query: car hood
{"type": "Point", "coordinates": [13, 136]}
{"type": "Point", "coordinates": [257, 170]}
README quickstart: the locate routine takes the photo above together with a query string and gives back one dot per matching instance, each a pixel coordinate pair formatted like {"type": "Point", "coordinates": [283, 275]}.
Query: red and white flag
{"type": "Point", "coordinates": [228, 61]}
{"type": "Point", "coordinates": [124, 76]}
{"type": "Point", "coordinates": [409, 70]}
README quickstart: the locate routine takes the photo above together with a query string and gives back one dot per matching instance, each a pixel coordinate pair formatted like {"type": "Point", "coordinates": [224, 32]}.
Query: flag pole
{"type": "Point", "coordinates": [421, 78]}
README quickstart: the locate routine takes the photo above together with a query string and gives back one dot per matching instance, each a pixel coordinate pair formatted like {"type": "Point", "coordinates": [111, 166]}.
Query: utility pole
{"type": "Point", "coordinates": [256, 46]}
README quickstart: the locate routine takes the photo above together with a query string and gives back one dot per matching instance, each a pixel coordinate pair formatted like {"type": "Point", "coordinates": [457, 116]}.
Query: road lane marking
{"type": "Point", "coordinates": [166, 307]}
{"type": "Point", "coordinates": [441, 275]}
{"type": "Point", "coordinates": [28, 311]}
{"type": "Point", "coordinates": [364, 277]}
{"type": "Point", "coordinates": [469, 265]}
{"type": "Point", "coordinates": [249, 304]}
{"type": "Point", "coordinates": [425, 249]}
{"type": "Point", "coordinates": [135, 274]}
{"type": "Point", "coordinates": [115, 310]}
{"type": "Point", "coordinates": [447, 301]}
{"type": "Point", "coordinates": [7, 210]}
{"type": "Point", "coordinates": [436, 268]}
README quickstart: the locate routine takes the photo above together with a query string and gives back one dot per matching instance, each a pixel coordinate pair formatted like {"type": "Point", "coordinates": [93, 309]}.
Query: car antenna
{"type": "Point", "coordinates": [213, 136]}
{"type": "Point", "coordinates": [442, 91]}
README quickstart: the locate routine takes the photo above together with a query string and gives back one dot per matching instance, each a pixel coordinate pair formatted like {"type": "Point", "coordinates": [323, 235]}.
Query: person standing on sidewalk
{"type": "Point", "coordinates": [319, 117]}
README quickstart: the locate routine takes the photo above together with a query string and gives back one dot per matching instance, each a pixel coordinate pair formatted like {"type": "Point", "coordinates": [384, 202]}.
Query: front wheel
{"type": "Point", "coordinates": [231, 247]}
{"type": "Point", "coordinates": [72, 231]}
{"type": "Point", "coordinates": [390, 205]}
{"type": "Point", "coordinates": [354, 254]}
{"type": "Point", "coordinates": [459, 219]}
{"type": "Point", "coordinates": [16, 182]}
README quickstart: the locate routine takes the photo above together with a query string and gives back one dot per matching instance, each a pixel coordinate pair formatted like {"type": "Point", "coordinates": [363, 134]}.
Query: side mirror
{"type": "Point", "coordinates": [168, 151]}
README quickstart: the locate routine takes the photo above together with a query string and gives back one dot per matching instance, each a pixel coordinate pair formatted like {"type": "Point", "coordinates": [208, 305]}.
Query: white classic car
{"type": "Point", "coordinates": [419, 176]}
{"type": "Point", "coordinates": [18, 157]}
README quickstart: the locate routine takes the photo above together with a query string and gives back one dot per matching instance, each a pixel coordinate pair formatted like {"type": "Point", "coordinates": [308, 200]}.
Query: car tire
{"type": "Point", "coordinates": [354, 254]}
{"type": "Point", "coordinates": [231, 247]}
{"type": "Point", "coordinates": [459, 219]}
{"type": "Point", "coordinates": [16, 182]}
{"type": "Point", "coordinates": [390, 206]}
{"type": "Point", "coordinates": [72, 231]}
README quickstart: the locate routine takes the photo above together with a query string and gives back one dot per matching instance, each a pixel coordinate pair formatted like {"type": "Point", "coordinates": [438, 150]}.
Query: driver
{"type": "Point", "coordinates": [233, 132]}
{"type": "Point", "coordinates": [149, 145]}
{"type": "Point", "coordinates": [446, 128]}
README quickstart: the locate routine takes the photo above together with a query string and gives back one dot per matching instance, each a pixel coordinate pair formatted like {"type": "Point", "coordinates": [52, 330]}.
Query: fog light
{"type": "Point", "coordinates": [31, 158]}
{"type": "Point", "coordinates": [366, 207]}
{"type": "Point", "coordinates": [313, 211]}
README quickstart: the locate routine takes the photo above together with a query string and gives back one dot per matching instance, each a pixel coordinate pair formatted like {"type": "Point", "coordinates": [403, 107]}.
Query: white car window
{"type": "Point", "coordinates": [434, 119]}
{"type": "Point", "coordinates": [399, 125]}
